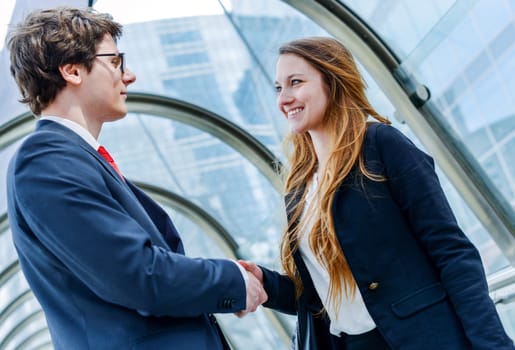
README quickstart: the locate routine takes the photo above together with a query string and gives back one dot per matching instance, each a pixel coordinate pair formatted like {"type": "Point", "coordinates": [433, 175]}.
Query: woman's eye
{"type": "Point", "coordinates": [295, 81]}
{"type": "Point", "coordinates": [277, 89]}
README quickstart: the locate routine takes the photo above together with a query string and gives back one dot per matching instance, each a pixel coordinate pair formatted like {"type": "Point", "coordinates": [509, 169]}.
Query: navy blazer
{"type": "Point", "coordinates": [103, 259]}
{"type": "Point", "coordinates": [421, 279]}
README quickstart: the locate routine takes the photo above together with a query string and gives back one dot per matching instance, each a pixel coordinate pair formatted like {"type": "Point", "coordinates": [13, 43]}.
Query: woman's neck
{"type": "Point", "coordinates": [322, 146]}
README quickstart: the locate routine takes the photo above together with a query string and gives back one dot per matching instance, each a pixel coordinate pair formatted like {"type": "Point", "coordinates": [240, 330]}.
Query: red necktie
{"type": "Point", "coordinates": [103, 152]}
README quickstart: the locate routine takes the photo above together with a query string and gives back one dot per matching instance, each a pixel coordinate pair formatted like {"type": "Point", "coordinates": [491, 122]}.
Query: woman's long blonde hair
{"type": "Point", "coordinates": [346, 118]}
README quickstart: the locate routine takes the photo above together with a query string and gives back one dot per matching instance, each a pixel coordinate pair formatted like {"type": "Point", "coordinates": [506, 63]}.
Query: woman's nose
{"type": "Point", "coordinates": [284, 98]}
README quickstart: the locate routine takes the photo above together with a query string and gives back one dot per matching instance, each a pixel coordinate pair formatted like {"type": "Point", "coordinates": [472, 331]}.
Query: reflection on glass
{"type": "Point", "coordinates": [462, 50]}
{"type": "Point", "coordinates": [239, 330]}
{"type": "Point", "coordinates": [204, 170]}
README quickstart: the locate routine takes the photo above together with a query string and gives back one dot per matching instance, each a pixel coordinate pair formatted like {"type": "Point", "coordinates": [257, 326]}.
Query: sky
{"type": "Point", "coordinates": [152, 10]}
{"type": "Point", "coordinates": [158, 9]}
{"type": "Point", "coordinates": [6, 9]}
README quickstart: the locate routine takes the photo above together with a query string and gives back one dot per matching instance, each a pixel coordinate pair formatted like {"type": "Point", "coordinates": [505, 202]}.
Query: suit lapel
{"type": "Point", "coordinates": [160, 219]}
{"type": "Point", "coordinates": [48, 125]}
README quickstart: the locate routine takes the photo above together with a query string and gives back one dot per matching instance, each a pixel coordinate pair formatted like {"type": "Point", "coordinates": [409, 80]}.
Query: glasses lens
{"type": "Point", "coordinates": [120, 59]}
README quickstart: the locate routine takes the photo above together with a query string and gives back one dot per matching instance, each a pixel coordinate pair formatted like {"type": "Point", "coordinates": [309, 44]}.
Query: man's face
{"type": "Point", "coordinates": [105, 86]}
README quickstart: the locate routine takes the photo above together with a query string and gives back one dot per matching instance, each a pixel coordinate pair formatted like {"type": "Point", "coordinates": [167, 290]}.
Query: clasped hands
{"type": "Point", "coordinates": [256, 294]}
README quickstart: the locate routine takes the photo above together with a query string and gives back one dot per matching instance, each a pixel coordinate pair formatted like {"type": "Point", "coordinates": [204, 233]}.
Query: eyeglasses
{"type": "Point", "coordinates": [121, 61]}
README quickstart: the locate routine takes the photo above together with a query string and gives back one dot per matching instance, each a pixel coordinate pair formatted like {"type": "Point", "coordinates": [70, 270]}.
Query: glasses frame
{"type": "Point", "coordinates": [115, 54]}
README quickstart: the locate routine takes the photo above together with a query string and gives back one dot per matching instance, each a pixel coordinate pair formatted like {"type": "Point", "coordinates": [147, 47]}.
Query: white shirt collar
{"type": "Point", "coordinates": [76, 128]}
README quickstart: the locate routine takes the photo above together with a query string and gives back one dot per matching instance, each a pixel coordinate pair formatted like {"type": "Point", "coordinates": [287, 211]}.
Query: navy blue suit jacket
{"type": "Point", "coordinates": [421, 279]}
{"type": "Point", "coordinates": [103, 259]}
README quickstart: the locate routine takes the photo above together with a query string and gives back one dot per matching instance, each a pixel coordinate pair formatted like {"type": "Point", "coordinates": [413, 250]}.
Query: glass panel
{"type": "Point", "coordinates": [203, 169]}
{"type": "Point", "coordinates": [8, 292]}
{"type": "Point", "coordinates": [7, 252]}
{"type": "Point", "coordinates": [507, 315]}
{"type": "Point", "coordinates": [206, 70]}
{"type": "Point", "coordinates": [464, 52]}
{"type": "Point", "coordinates": [223, 59]}
{"type": "Point", "coordinates": [35, 339]}
{"type": "Point", "coordinates": [469, 75]}
{"type": "Point", "coordinates": [403, 24]}
{"type": "Point", "coordinates": [27, 324]}
{"type": "Point", "coordinates": [9, 94]}
{"type": "Point", "coordinates": [5, 15]}
{"type": "Point", "coordinates": [239, 330]}
{"type": "Point", "coordinates": [5, 155]}
{"type": "Point", "coordinates": [152, 10]}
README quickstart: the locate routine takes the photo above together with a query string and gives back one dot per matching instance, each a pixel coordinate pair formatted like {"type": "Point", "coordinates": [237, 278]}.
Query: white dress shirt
{"type": "Point", "coordinates": [77, 128]}
{"type": "Point", "coordinates": [353, 316]}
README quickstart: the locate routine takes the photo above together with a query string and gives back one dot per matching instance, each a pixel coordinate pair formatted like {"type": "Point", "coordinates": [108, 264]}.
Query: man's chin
{"type": "Point", "coordinates": [117, 117]}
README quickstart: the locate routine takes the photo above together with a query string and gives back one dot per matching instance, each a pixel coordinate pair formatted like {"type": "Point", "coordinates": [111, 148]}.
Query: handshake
{"type": "Point", "coordinates": [256, 295]}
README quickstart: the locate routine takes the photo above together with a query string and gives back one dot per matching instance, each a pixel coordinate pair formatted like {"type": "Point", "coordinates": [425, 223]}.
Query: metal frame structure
{"type": "Point", "coordinates": [412, 101]}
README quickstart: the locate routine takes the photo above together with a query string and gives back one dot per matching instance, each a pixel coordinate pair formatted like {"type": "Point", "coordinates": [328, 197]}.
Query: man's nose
{"type": "Point", "coordinates": [128, 77]}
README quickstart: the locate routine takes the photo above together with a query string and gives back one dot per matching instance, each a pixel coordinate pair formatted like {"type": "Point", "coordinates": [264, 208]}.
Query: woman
{"type": "Point", "coordinates": [374, 258]}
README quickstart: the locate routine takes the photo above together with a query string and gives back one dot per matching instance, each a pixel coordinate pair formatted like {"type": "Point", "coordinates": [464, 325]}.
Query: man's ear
{"type": "Point", "coordinates": [72, 73]}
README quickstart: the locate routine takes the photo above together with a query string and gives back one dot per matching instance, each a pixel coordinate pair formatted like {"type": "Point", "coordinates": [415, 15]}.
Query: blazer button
{"type": "Point", "coordinates": [224, 304]}
{"type": "Point", "coordinates": [228, 303]}
{"type": "Point", "coordinates": [373, 286]}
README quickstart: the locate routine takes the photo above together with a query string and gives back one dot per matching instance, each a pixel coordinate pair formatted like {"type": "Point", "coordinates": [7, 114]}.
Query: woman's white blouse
{"type": "Point", "coordinates": [353, 316]}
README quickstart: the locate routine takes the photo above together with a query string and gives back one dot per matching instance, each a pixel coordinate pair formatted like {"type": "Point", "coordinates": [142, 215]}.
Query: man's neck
{"type": "Point", "coordinates": [74, 114]}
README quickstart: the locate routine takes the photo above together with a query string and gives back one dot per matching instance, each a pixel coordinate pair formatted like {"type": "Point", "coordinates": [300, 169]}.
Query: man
{"type": "Point", "coordinates": [103, 259]}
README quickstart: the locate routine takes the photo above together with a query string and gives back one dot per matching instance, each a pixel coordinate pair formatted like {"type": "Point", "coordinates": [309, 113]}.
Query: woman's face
{"type": "Point", "coordinates": [302, 94]}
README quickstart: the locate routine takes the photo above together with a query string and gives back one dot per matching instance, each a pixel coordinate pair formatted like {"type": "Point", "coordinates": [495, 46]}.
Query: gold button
{"type": "Point", "coordinates": [373, 286]}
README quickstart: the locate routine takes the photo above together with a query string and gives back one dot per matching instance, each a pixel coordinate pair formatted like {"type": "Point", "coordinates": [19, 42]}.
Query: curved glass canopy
{"type": "Point", "coordinates": [441, 70]}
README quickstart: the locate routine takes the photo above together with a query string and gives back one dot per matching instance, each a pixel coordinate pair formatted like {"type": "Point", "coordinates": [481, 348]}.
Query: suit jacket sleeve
{"type": "Point", "coordinates": [76, 217]}
{"type": "Point", "coordinates": [280, 291]}
{"type": "Point", "coordinates": [415, 187]}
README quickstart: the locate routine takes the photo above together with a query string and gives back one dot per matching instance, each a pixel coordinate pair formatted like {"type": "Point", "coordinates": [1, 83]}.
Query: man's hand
{"type": "Point", "coordinates": [253, 269]}
{"type": "Point", "coordinates": [256, 295]}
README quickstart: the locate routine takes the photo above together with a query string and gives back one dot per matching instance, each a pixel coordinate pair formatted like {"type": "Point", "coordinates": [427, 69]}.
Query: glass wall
{"type": "Point", "coordinates": [222, 59]}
